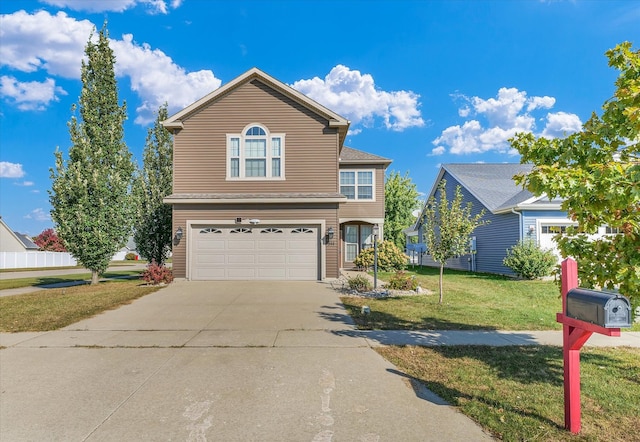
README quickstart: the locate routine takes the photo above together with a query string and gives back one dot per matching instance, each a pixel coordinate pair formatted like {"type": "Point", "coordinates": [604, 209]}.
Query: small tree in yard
{"type": "Point", "coordinates": [49, 241]}
{"type": "Point", "coordinates": [400, 200]}
{"type": "Point", "coordinates": [152, 233]}
{"type": "Point", "coordinates": [90, 194]}
{"type": "Point", "coordinates": [596, 172]}
{"type": "Point", "coordinates": [448, 227]}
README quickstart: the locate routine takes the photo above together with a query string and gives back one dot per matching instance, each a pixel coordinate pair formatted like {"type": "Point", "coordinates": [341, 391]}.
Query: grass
{"type": "Point", "coordinates": [472, 301]}
{"type": "Point", "coordinates": [56, 308]}
{"type": "Point", "coordinates": [45, 280]}
{"type": "Point", "coordinates": [516, 393]}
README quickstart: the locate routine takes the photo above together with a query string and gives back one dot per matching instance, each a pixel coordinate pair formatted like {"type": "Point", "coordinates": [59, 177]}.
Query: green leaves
{"type": "Point", "coordinates": [400, 200]}
{"type": "Point", "coordinates": [155, 181]}
{"type": "Point", "coordinates": [90, 193]}
{"type": "Point", "coordinates": [597, 174]}
{"type": "Point", "coordinates": [448, 226]}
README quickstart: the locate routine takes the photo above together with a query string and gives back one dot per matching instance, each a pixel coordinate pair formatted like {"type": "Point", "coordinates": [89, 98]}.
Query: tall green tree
{"type": "Point", "coordinates": [449, 225]}
{"type": "Point", "coordinates": [152, 233]}
{"type": "Point", "coordinates": [90, 194]}
{"type": "Point", "coordinates": [597, 174]}
{"type": "Point", "coordinates": [400, 200]}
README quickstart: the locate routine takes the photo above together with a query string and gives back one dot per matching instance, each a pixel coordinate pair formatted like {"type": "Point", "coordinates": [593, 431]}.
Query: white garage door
{"type": "Point", "coordinates": [265, 252]}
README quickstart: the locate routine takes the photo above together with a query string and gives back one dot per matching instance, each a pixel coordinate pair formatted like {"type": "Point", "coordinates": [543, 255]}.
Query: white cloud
{"type": "Point", "coordinates": [55, 43]}
{"type": "Point", "coordinates": [156, 78]}
{"type": "Point", "coordinates": [505, 115]}
{"type": "Point", "coordinates": [11, 170]}
{"type": "Point", "coordinates": [154, 6]}
{"type": "Point", "coordinates": [38, 215]}
{"type": "Point", "coordinates": [560, 124]}
{"type": "Point", "coordinates": [31, 95]}
{"type": "Point", "coordinates": [25, 183]}
{"type": "Point", "coordinates": [355, 96]}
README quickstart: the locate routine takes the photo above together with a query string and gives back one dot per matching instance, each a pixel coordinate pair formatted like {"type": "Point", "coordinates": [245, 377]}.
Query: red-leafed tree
{"type": "Point", "coordinates": [48, 241]}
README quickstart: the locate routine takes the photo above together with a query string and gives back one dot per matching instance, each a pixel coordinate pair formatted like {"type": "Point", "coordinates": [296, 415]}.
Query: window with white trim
{"type": "Point", "coordinates": [357, 184]}
{"type": "Point", "coordinates": [255, 154]}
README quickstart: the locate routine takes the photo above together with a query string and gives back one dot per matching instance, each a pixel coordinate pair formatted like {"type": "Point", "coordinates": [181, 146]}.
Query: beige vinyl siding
{"type": "Point", "coordinates": [310, 154]}
{"type": "Point", "coordinates": [228, 212]}
{"type": "Point", "coordinates": [354, 209]}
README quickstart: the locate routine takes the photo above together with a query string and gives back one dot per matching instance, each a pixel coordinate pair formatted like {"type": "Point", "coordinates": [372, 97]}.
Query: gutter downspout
{"type": "Point", "coordinates": [520, 227]}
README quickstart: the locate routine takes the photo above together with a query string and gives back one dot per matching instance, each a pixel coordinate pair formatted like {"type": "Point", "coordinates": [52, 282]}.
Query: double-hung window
{"type": "Point", "coordinates": [357, 184]}
{"type": "Point", "coordinates": [255, 154]}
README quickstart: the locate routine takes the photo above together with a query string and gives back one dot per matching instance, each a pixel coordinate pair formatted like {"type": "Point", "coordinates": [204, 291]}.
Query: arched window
{"type": "Point", "coordinates": [255, 154]}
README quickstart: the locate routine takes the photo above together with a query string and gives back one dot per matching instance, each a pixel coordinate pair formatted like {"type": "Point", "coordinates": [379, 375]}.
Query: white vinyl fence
{"type": "Point", "coordinates": [21, 260]}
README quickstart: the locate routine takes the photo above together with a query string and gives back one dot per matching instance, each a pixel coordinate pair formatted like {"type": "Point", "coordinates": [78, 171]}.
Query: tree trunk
{"type": "Point", "coordinates": [95, 278]}
{"type": "Point", "coordinates": [441, 273]}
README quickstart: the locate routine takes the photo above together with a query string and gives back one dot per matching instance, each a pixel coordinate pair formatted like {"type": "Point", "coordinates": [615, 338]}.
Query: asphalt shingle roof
{"type": "Point", "coordinates": [492, 184]}
{"type": "Point", "coordinates": [350, 154]}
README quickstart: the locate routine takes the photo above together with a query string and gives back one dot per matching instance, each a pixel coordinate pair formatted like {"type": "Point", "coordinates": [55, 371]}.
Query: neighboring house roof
{"type": "Point", "coordinates": [28, 243]}
{"type": "Point", "coordinates": [13, 241]}
{"type": "Point", "coordinates": [335, 120]}
{"type": "Point", "coordinates": [494, 187]}
{"type": "Point", "coordinates": [350, 155]}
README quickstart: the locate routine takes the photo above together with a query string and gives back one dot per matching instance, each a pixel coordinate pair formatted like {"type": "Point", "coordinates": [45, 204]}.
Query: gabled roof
{"type": "Point", "coordinates": [349, 155]}
{"type": "Point", "coordinates": [21, 238]}
{"type": "Point", "coordinates": [28, 243]}
{"type": "Point", "coordinates": [494, 187]}
{"type": "Point", "coordinates": [335, 120]}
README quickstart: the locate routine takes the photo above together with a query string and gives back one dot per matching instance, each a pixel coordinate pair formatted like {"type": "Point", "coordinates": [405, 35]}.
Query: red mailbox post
{"type": "Point", "coordinates": [575, 334]}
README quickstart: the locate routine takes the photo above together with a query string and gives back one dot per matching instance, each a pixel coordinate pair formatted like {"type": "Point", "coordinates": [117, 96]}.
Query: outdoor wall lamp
{"type": "Point", "coordinates": [532, 229]}
{"type": "Point", "coordinates": [330, 233]}
{"type": "Point", "coordinates": [178, 235]}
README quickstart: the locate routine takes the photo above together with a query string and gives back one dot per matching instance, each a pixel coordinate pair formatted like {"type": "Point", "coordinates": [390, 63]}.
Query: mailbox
{"type": "Point", "coordinates": [609, 310]}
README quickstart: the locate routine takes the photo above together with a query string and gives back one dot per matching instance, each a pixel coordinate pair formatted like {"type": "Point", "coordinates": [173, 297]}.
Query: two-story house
{"type": "Point", "coordinates": [264, 188]}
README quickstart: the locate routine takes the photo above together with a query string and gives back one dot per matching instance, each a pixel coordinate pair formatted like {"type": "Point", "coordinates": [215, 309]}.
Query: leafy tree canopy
{"type": "Point", "coordinates": [400, 200]}
{"type": "Point", "coordinates": [448, 227]}
{"type": "Point", "coordinates": [153, 218]}
{"type": "Point", "coordinates": [49, 241]}
{"type": "Point", "coordinates": [90, 194]}
{"type": "Point", "coordinates": [597, 174]}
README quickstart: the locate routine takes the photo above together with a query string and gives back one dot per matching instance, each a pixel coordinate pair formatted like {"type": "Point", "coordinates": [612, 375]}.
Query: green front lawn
{"type": "Point", "coordinates": [45, 280]}
{"type": "Point", "coordinates": [56, 308]}
{"type": "Point", "coordinates": [516, 393]}
{"type": "Point", "coordinates": [472, 301]}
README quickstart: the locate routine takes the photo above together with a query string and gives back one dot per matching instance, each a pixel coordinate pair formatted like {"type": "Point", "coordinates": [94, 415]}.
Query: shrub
{"type": "Point", "coordinates": [157, 274]}
{"type": "Point", "coordinates": [402, 281]}
{"type": "Point", "coordinates": [360, 283]}
{"type": "Point", "coordinates": [390, 257]}
{"type": "Point", "coordinates": [529, 261]}
{"type": "Point", "coordinates": [130, 256]}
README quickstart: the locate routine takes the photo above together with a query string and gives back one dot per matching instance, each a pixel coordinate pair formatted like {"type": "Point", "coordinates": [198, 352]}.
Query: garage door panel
{"type": "Point", "coordinates": [241, 244]}
{"type": "Point", "coordinates": [270, 252]}
{"type": "Point", "coordinates": [210, 259]}
{"type": "Point", "coordinates": [272, 259]}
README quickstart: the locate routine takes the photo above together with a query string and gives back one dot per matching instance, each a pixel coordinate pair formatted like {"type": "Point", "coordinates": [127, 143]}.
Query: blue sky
{"type": "Point", "coordinates": [423, 82]}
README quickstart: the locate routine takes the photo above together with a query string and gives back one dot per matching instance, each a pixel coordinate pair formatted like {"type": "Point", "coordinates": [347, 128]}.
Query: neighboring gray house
{"type": "Point", "coordinates": [514, 214]}
{"type": "Point", "coordinates": [11, 241]}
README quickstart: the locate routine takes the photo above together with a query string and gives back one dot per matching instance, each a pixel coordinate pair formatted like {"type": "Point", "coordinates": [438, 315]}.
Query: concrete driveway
{"type": "Point", "coordinates": [216, 361]}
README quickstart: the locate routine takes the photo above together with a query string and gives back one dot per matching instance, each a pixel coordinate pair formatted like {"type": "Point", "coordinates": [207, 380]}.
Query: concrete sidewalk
{"type": "Point", "coordinates": [229, 361]}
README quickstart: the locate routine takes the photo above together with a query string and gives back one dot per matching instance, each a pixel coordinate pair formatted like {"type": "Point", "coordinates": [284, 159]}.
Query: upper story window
{"type": "Point", "coordinates": [357, 184]}
{"type": "Point", "coordinates": [255, 154]}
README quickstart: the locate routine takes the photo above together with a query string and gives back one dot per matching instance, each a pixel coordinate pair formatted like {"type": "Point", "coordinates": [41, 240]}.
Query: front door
{"type": "Point", "coordinates": [356, 238]}
{"type": "Point", "coordinates": [351, 248]}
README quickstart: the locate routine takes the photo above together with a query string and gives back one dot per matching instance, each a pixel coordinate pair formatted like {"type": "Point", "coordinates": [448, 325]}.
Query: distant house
{"type": "Point", "coordinates": [121, 254]}
{"type": "Point", "coordinates": [11, 241]}
{"type": "Point", "coordinates": [514, 214]}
